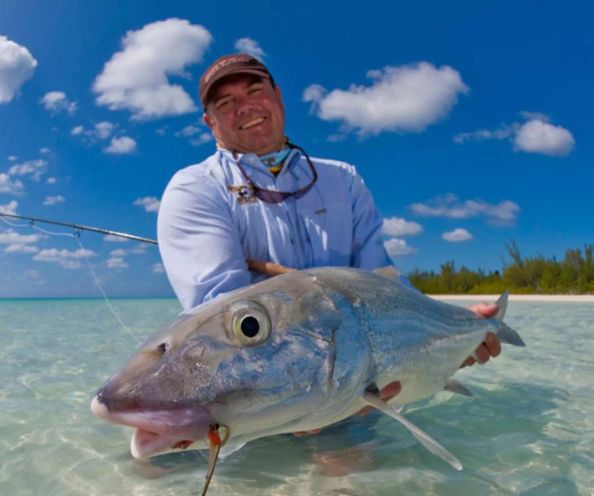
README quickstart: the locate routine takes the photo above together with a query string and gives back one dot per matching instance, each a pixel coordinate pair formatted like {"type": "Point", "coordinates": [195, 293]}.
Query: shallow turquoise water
{"type": "Point", "coordinates": [529, 429]}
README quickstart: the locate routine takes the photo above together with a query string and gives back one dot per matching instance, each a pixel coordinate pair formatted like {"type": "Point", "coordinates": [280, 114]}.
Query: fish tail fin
{"type": "Point", "coordinates": [507, 335]}
{"type": "Point", "coordinates": [502, 305]}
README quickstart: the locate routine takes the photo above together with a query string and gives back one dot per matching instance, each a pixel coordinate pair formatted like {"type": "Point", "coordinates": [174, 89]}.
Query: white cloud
{"type": "Point", "coordinates": [398, 247]}
{"type": "Point", "coordinates": [139, 249]}
{"type": "Point", "coordinates": [314, 93]}
{"type": "Point", "coordinates": [188, 131]}
{"type": "Point", "coordinates": [116, 263]}
{"type": "Point", "coordinates": [57, 101]}
{"type": "Point", "coordinates": [12, 158]}
{"type": "Point", "coordinates": [100, 131]}
{"type": "Point", "coordinates": [136, 78]}
{"type": "Point", "coordinates": [539, 116]}
{"type": "Point", "coordinates": [396, 226]}
{"type": "Point", "coordinates": [150, 203]}
{"type": "Point", "coordinates": [117, 253]}
{"type": "Point", "coordinates": [33, 168]}
{"type": "Point", "coordinates": [21, 248]}
{"type": "Point", "coordinates": [9, 208]}
{"type": "Point", "coordinates": [16, 66]}
{"type": "Point", "coordinates": [69, 259]}
{"type": "Point", "coordinates": [53, 200]}
{"type": "Point", "coordinates": [9, 185]}
{"type": "Point", "coordinates": [502, 133]}
{"type": "Point", "coordinates": [121, 146]}
{"type": "Point", "coordinates": [45, 150]}
{"type": "Point", "coordinates": [51, 180]}
{"type": "Point", "coordinates": [450, 206]}
{"type": "Point", "coordinates": [201, 140]}
{"type": "Point", "coordinates": [158, 268]}
{"type": "Point", "coordinates": [10, 237]}
{"type": "Point", "coordinates": [249, 46]}
{"type": "Point", "coordinates": [191, 131]}
{"type": "Point", "coordinates": [103, 129]}
{"type": "Point", "coordinates": [404, 98]}
{"type": "Point", "coordinates": [537, 136]}
{"type": "Point", "coordinates": [457, 235]}
{"type": "Point", "coordinates": [110, 238]}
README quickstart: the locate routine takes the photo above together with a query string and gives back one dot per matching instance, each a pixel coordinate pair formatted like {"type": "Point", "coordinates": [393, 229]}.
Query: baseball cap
{"type": "Point", "coordinates": [240, 63]}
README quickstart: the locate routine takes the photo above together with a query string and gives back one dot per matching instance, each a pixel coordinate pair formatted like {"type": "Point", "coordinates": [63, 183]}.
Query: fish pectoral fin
{"type": "Point", "coordinates": [453, 386]}
{"type": "Point", "coordinates": [425, 439]}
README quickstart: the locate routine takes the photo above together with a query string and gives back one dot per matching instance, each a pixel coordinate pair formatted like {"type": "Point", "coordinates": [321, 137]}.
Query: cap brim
{"type": "Point", "coordinates": [239, 70]}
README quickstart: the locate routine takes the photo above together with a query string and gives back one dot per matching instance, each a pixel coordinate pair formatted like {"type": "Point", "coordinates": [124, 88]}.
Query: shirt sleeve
{"type": "Point", "coordinates": [368, 244]}
{"type": "Point", "coordinates": [198, 241]}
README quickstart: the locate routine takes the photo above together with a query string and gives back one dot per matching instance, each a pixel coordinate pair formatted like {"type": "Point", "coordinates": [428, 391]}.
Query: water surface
{"type": "Point", "coordinates": [529, 429]}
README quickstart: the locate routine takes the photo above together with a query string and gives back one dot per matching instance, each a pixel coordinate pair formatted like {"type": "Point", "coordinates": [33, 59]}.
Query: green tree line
{"type": "Point", "coordinates": [521, 275]}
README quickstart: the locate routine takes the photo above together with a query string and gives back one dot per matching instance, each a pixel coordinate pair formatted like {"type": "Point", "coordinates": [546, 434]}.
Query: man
{"type": "Point", "coordinates": [261, 203]}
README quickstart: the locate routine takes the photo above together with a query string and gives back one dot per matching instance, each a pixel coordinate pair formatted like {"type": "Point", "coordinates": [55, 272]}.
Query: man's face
{"type": "Point", "coordinates": [247, 115]}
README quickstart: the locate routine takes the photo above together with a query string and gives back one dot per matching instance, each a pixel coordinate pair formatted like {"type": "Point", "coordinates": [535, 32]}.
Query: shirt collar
{"type": "Point", "coordinates": [252, 160]}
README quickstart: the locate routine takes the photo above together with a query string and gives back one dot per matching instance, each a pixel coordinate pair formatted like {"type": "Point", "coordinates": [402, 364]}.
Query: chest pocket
{"type": "Point", "coordinates": [329, 230]}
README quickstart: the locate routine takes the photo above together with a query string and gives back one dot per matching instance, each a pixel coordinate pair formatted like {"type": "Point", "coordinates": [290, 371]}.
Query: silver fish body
{"type": "Point", "coordinates": [295, 352]}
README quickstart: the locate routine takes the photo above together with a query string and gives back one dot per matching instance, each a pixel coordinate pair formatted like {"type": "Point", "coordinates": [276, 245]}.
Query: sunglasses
{"type": "Point", "coordinates": [271, 196]}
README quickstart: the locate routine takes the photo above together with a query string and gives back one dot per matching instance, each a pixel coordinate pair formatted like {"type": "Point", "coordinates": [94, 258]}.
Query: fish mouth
{"type": "Point", "coordinates": [158, 431]}
{"type": "Point", "coordinates": [252, 122]}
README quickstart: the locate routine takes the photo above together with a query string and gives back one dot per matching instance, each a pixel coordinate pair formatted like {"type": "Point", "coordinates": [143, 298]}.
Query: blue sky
{"type": "Point", "coordinates": [471, 123]}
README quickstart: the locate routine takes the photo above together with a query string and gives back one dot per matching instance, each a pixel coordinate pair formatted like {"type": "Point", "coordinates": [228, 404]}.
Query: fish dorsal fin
{"type": "Point", "coordinates": [424, 438]}
{"type": "Point", "coordinates": [388, 271]}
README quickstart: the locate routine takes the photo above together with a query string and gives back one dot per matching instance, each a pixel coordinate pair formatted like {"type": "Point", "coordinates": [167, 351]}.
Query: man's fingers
{"type": "Point", "coordinates": [269, 269]}
{"type": "Point", "coordinates": [386, 394]}
{"type": "Point", "coordinates": [482, 354]}
{"type": "Point", "coordinates": [390, 390]}
{"type": "Point", "coordinates": [468, 362]}
{"type": "Point", "coordinates": [493, 345]}
{"type": "Point", "coordinates": [313, 432]}
{"type": "Point", "coordinates": [485, 310]}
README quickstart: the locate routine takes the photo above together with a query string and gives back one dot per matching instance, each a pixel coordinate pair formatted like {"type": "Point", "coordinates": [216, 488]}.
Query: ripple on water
{"type": "Point", "coordinates": [529, 429]}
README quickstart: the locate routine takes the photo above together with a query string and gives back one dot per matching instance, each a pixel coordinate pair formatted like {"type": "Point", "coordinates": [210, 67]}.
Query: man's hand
{"type": "Point", "coordinates": [269, 269]}
{"type": "Point", "coordinates": [491, 347]}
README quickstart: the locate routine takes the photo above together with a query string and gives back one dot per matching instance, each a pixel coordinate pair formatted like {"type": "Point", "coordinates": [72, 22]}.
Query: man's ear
{"type": "Point", "coordinates": [207, 120]}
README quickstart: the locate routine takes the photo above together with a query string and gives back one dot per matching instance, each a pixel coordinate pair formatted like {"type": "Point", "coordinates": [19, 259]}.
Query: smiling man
{"type": "Point", "coordinates": [259, 197]}
{"type": "Point", "coordinates": [260, 205]}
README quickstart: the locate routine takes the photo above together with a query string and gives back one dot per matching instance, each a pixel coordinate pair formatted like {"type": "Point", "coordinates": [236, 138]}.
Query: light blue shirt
{"type": "Point", "coordinates": [209, 225]}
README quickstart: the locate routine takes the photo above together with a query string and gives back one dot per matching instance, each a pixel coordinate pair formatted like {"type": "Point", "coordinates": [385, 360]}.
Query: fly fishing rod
{"type": "Point", "coordinates": [78, 227]}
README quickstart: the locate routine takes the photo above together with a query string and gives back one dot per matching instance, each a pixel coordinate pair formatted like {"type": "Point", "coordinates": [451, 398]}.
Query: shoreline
{"type": "Point", "coordinates": [555, 298]}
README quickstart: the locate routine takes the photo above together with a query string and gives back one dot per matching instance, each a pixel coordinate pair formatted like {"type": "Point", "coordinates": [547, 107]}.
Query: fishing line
{"type": "Point", "coordinates": [76, 236]}
{"type": "Point", "coordinates": [96, 279]}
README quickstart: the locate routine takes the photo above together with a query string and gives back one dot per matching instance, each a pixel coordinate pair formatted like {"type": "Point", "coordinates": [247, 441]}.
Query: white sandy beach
{"type": "Point", "coordinates": [521, 297]}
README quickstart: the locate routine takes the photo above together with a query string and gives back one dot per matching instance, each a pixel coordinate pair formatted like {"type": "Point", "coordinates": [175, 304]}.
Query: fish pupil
{"type": "Point", "coordinates": [250, 326]}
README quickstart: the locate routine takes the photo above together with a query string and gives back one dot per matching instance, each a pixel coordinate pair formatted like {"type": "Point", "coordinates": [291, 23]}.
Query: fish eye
{"type": "Point", "coordinates": [249, 326]}
{"type": "Point", "coordinates": [162, 347]}
{"type": "Point", "coordinates": [250, 323]}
